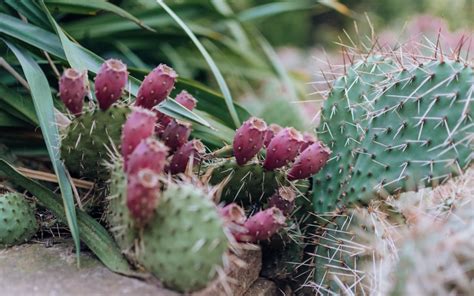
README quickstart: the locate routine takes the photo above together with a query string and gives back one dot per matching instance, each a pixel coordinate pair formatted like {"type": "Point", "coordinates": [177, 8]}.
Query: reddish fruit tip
{"type": "Point", "coordinates": [283, 148]}
{"type": "Point", "coordinates": [309, 162]}
{"type": "Point", "coordinates": [308, 139]}
{"type": "Point", "coordinates": [248, 139]}
{"type": "Point", "coordinates": [156, 86]}
{"type": "Point", "coordinates": [262, 225]}
{"type": "Point", "coordinates": [150, 153]}
{"type": "Point", "coordinates": [73, 89]}
{"type": "Point", "coordinates": [191, 151]}
{"type": "Point", "coordinates": [110, 81]}
{"type": "Point", "coordinates": [143, 190]}
{"type": "Point", "coordinates": [176, 134]}
{"type": "Point", "coordinates": [272, 130]}
{"type": "Point", "coordinates": [140, 124]}
{"type": "Point", "coordinates": [186, 99]}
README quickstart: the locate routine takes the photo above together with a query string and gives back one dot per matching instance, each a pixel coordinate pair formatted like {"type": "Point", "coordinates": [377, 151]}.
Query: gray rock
{"type": "Point", "coordinates": [33, 269]}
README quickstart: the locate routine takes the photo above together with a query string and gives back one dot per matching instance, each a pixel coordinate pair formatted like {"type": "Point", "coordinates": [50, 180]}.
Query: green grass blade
{"type": "Point", "coordinates": [11, 121]}
{"type": "Point", "coordinates": [77, 56]}
{"type": "Point", "coordinates": [272, 9]}
{"type": "Point", "coordinates": [29, 10]}
{"type": "Point", "coordinates": [43, 102]}
{"type": "Point", "coordinates": [12, 100]}
{"type": "Point", "coordinates": [92, 233]}
{"type": "Point", "coordinates": [215, 70]}
{"type": "Point", "coordinates": [87, 6]}
{"type": "Point", "coordinates": [31, 34]}
{"type": "Point", "coordinates": [71, 51]}
{"type": "Point", "coordinates": [209, 100]}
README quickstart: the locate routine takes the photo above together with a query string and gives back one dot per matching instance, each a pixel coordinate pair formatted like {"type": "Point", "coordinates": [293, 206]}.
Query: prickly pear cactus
{"type": "Point", "coordinates": [83, 147]}
{"type": "Point", "coordinates": [420, 132]}
{"type": "Point", "coordinates": [408, 128]}
{"type": "Point", "coordinates": [342, 126]}
{"type": "Point", "coordinates": [17, 220]}
{"type": "Point", "coordinates": [185, 242]}
{"type": "Point", "coordinates": [118, 216]}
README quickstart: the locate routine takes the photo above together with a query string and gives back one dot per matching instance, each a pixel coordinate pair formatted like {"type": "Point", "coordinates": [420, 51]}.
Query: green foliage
{"type": "Point", "coordinates": [17, 219]}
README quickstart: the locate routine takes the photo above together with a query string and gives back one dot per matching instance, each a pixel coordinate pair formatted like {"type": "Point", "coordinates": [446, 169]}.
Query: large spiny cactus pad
{"type": "Point", "coordinates": [185, 243]}
{"type": "Point", "coordinates": [407, 128]}
{"type": "Point", "coordinates": [17, 220]}
{"type": "Point", "coordinates": [420, 133]}
{"type": "Point", "coordinates": [118, 216]}
{"type": "Point", "coordinates": [342, 127]}
{"type": "Point", "coordinates": [84, 145]}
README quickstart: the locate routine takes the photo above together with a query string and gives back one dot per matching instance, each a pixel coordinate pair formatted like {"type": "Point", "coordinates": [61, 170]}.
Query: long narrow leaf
{"type": "Point", "coordinates": [70, 50]}
{"type": "Point", "coordinates": [49, 42]}
{"type": "Point", "coordinates": [215, 70]}
{"type": "Point", "coordinates": [64, 5]}
{"type": "Point", "coordinates": [31, 34]}
{"type": "Point", "coordinates": [43, 102]}
{"type": "Point", "coordinates": [92, 233]}
{"type": "Point", "coordinates": [13, 100]}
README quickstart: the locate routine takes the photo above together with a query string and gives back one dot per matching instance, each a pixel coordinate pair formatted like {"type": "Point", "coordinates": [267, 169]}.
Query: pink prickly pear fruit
{"type": "Point", "coordinates": [150, 154]}
{"type": "Point", "coordinates": [139, 125]}
{"type": "Point", "coordinates": [248, 139]}
{"type": "Point", "coordinates": [192, 150]}
{"type": "Point", "coordinates": [283, 199]}
{"type": "Point", "coordinates": [262, 225]}
{"type": "Point", "coordinates": [73, 89]}
{"type": "Point", "coordinates": [272, 130]}
{"type": "Point", "coordinates": [110, 82]}
{"type": "Point", "coordinates": [283, 148]}
{"type": "Point", "coordinates": [185, 99]}
{"type": "Point", "coordinates": [309, 162]}
{"type": "Point", "coordinates": [143, 193]}
{"type": "Point", "coordinates": [176, 134]}
{"type": "Point", "coordinates": [156, 86]}
{"type": "Point", "coordinates": [233, 213]}
{"type": "Point", "coordinates": [308, 139]}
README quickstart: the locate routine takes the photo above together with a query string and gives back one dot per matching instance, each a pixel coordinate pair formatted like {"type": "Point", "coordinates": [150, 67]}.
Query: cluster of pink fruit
{"type": "Point", "coordinates": [265, 223]}
{"type": "Point", "coordinates": [145, 157]}
{"type": "Point", "coordinates": [153, 143]}
{"type": "Point", "coordinates": [283, 146]}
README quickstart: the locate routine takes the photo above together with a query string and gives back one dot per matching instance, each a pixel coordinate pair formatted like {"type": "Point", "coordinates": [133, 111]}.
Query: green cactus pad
{"type": "Point", "coordinates": [83, 147]}
{"type": "Point", "coordinates": [248, 184]}
{"type": "Point", "coordinates": [342, 127]}
{"type": "Point", "coordinates": [420, 132]}
{"type": "Point", "coordinates": [413, 128]}
{"type": "Point", "coordinates": [17, 220]}
{"type": "Point", "coordinates": [185, 242]}
{"type": "Point", "coordinates": [118, 217]}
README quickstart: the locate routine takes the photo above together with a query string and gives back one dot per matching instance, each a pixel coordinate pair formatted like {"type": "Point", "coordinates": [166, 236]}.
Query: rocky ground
{"type": "Point", "coordinates": [38, 269]}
